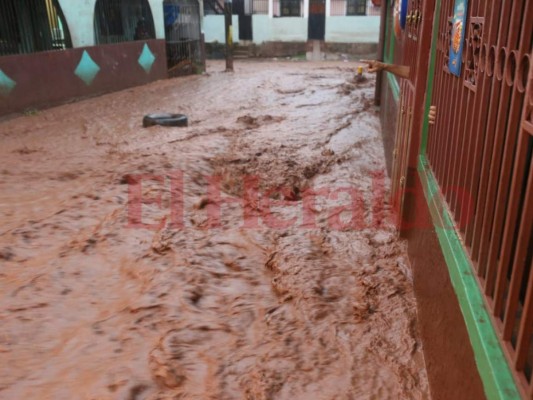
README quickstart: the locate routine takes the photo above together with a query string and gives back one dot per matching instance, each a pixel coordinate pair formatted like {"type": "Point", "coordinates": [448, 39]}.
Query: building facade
{"type": "Point", "coordinates": [264, 22]}
{"type": "Point", "coordinates": [55, 50]}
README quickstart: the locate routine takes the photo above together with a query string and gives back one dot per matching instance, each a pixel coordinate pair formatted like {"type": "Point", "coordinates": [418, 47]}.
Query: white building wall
{"type": "Point", "coordinates": [266, 28]}
{"type": "Point", "coordinates": [285, 29]}
{"type": "Point", "coordinates": [353, 29]}
{"type": "Point", "coordinates": [80, 20]}
{"type": "Point", "coordinates": [306, 8]}
{"type": "Point", "coordinates": [214, 28]}
{"type": "Point", "coordinates": [159, 18]}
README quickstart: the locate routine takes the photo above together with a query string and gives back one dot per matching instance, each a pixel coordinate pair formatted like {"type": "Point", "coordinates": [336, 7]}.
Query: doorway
{"type": "Point", "coordinates": [317, 20]}
{"type": "Point", "coordinates": [243, 8]}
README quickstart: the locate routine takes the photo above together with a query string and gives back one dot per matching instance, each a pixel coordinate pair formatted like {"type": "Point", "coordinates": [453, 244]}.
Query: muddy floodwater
{"type": "Point", "coordinates": [250, 255]}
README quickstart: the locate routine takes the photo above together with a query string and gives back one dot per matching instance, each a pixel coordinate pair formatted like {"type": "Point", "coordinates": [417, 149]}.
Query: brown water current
{"type": "Point", "coordinates": [245, 286]}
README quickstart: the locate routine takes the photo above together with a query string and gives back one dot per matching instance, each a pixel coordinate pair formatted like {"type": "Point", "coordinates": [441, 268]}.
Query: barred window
{"type": "Point", "coordinates": [29, 26]}
{"type": "Point", "coordinates": [260, 6]}
{"type": "Point", "coordinates": [213, 7]}
{"type": "Point", "coordinates": [117, 21]}
{"type": "Point", "coordinates": [356, 7]}
{"type": "Point", "coordinates": [290, 8]}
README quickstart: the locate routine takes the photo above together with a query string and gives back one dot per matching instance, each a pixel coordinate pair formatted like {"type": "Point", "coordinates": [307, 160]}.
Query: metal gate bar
{"type": "Point", "coordinates": [434, 145]}
{"type": "Point", "coordinates": [506, 169]}
{"type": "Point", "coordinates": [503, 151]}
{"type": "Point", "coordinates": [480, 118]}
{"type": "Point", "coordinates": [489, 132]}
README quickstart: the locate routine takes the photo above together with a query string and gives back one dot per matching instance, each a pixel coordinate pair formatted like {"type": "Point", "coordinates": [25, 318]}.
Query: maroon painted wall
{"type": "Point", "coordinates": [450, 362]}
{"type": "Point", "coordinates": [48, 78]}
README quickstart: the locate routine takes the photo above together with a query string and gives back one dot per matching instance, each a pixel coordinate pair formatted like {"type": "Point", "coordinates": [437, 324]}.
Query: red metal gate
{"type": "Point", "coordinates": [480, 151]}
{"type": "Point", "coordinates": [411, 50]}
{"type": "Point", "coordinates": [401, 150]}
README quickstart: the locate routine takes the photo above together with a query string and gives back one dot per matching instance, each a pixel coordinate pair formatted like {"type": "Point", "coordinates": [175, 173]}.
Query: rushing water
{"type": "Point", "coordinates": [248, 279]}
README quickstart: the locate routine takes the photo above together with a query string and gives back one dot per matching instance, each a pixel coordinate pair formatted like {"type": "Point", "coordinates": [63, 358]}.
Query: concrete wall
{"type": "Point", "coordinates": [159, 21]}
{"type": "Point", "coordinates": [353, 29]}
{"type": "Point", "coordinates": [49, 78]}
{"type": "Point", "coordinates": [213, 27]}
{"type": "Point", "coordinates": [286, 29]}
{"type": "Point", "coordinates": [80, 20]}
{"type": "Point", "coordinates": [265, 29]}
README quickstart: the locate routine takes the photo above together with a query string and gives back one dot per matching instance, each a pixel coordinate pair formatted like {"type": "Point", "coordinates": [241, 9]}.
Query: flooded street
{"type": "Point", "coordinates": [248, 256]}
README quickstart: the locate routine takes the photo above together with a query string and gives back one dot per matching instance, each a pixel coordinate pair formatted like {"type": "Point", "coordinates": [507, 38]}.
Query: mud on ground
{"type": "Point", "coordinates": [205, 306]}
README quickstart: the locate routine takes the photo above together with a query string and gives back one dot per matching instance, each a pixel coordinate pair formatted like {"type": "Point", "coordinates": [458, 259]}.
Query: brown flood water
{"type": "Point", "coordinates": [93, 307]}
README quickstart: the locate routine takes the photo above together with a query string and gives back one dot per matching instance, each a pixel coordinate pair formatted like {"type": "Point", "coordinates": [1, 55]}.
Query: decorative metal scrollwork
{"type": "Point", "coordinates": [473, 51]}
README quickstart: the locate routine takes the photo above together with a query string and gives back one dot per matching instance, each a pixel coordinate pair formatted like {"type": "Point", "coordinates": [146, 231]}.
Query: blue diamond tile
{"type": "Point", "coordinates": [87, 69]}
{"type": "Point", "coordinates": [6, 84]}
{"type": "Point", "coordinates": [146, 59]}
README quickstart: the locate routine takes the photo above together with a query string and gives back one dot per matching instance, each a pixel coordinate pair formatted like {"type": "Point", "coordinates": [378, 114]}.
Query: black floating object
{"type": "Point", "coordinates": [165, 120]}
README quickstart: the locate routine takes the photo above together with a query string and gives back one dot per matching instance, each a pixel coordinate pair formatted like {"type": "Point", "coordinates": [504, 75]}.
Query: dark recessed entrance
{"type": "Point", "coordinates": [317, 20]}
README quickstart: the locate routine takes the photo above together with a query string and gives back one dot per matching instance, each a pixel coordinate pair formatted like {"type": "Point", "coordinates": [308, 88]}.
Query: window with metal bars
{"type": "Point", "coordinates": [341, 8]}
{"type": "Point", "coordinates": [117, 21]}
{"type": "Point", "coordinates": [29, 26]}
{"type": "Point", "coordinates": [290, 8]}
{"type": "Point", "coordinates": [260, 6]}
{"type": "Point", "coordinates": [356, 7]}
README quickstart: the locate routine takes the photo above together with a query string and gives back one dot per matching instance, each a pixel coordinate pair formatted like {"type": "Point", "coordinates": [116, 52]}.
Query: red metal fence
{"type": "Point", "coordinates": [480, 151]}
{"type": "Point", "coordinates": [407, 51]}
